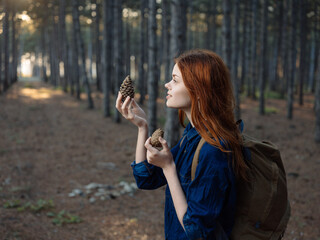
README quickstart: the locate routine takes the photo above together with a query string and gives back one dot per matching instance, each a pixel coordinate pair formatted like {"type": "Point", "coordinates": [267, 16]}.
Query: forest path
{"type": "Point", "coordinates": [51, 144]}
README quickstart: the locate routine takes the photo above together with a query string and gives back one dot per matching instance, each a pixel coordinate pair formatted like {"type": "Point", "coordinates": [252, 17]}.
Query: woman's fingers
{"type": "Point", "coordinates": [149, 147]}
{"type": "Point", "coordinates": [124, 107]}
{"type": "Point", "coordinates": [118, 101]}
{"type": "Point", "coordinates": [164, 144]}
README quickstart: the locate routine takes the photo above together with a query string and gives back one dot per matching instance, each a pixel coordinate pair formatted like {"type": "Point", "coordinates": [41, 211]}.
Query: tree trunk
{"type": "Point", "coordinates": [312, 67]}
{"type": "Point", "coordinates": [96, 21]}
{"type": "Point", "coordinates": [285, 50]}
{"type": "Point", "coordinates": [6, 46]}
{"type": "Point", "coordinates": [107, 44]}
{"type": "Point", "coordinates": [80, 46]}
{"type": "Point", "coordinates": [303, 40]}
{"type": "Point", "coordinates": [244, 49]}
{"type": "Point", "coordinates": [275, 79]}
{"type": "Point", "coordinates": [64, 45]}
{"type": "Point", "coordinates": [75, 52]}
{"type": "Point", "coordinates": [166, 39]}
{"type": "Point", "coordinates": [152, 68]}
{"type": "Point", "coordinates": [128, 49]}
{"type": "Point", "coordinates": [226, 28]}
{"type": "Point", "coordinates": [293, 51]}
{"type": "Point", "coordinates": [190, 41]}
{"type": "Point", "coordinates": [178, 35]}
{"type": "Point", "coordinates": [317, 106]}
{"type": "Point", "coordinates": [118, 52]}
{"type": "Point", "coordinates": [249, 49]}
{"type": "Point", "coordinates": [254, 48]}
{"type": "Point", "coordinates": [142, 52]}
{"type": "Point", "coordinates": [264, 62]}
{"type": "Point", "coordinates": [235, 56]}
{"type": "Point", "coordinates": [13, 74]}
{"type": "Point", "coordinates": [213, 28]}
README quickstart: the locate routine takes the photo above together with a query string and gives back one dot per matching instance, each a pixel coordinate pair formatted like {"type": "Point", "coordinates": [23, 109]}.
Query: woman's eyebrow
{"type": "Point", "coordinates": [175, 75]}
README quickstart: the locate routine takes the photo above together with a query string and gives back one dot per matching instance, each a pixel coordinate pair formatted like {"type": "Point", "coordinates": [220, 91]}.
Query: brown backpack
{"type": "Point", "coordinates": [263, 208]}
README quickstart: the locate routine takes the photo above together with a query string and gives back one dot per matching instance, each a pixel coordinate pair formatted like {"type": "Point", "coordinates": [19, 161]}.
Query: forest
{"type": "Point", "coordinates": [78, 52]}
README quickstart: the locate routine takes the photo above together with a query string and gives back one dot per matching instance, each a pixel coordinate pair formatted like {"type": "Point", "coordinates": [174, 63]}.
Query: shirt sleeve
{"type": "Point", "coordinates": [206, 194]}
{"type": "Point", "coordinates": [149, 176]}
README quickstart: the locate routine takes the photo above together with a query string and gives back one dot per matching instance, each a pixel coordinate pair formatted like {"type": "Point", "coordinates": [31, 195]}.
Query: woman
{"type": "Point", "coordinates": [202, 208]}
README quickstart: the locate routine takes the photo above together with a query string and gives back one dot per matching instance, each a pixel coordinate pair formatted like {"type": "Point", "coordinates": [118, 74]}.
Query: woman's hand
{"type": "Point", "coordinates": [131, 111]}
{"type": "Point", "coordinates": [163, 158]}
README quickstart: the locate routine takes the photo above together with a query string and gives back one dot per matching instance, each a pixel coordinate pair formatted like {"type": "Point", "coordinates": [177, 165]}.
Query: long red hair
{"type": "Point", "coordinates": [208, 82]}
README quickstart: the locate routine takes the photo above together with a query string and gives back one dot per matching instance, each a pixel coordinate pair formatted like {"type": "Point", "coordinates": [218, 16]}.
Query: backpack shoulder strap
{"type": "Point", "coordinates": [196, 158]}
{"type": "Point", "coordinates": [182, 140]}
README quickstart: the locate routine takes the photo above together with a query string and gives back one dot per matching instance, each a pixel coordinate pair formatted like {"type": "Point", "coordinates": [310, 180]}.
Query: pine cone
{"type": "Point", "coordinates": [126, 88]}
{"type": "Point", "coordinates": [155, 137]}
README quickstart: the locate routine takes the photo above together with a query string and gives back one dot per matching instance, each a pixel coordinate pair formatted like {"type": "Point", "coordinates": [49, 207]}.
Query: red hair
{"type": "Point", "coordinates": [207, 80]}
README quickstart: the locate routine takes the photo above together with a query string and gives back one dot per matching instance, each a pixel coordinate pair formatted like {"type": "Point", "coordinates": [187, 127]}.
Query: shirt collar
{"type": "Point", "coordinates": [190, 131]}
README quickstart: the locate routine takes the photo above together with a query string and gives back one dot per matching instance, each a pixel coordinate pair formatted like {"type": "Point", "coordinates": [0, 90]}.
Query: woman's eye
{"type": "Point", "coordinates": [174, 80]}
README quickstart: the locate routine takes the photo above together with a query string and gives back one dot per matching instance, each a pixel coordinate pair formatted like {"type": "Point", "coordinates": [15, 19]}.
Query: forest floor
{"type": "Point", "coordinates": [52, 147]}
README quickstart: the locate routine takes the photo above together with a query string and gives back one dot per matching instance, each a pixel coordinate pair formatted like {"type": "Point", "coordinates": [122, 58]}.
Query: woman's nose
{"type": "Point", "coordinates": [166, 85]}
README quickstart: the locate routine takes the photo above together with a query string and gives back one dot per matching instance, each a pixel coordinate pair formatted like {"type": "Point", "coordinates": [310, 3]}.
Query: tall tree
{"type": "Point", "coordinates": [293, 50]}
{"type": "Point", "coordinates": [166, 38]}
{"type": "Point", "coordinates": [264, 62]}
{"type": "Point", "coordinates": [107, 44]}
{"type": "Point", "coordinates": [254, 48]}
{"type": "Point", "coordinates": [285, 49]}
{"type": "Point", "coordinates": [118, 50]}
{"type": "Point", "coordinates": [226, 28]}
{"type": "Point", "coordinates": [64, 44]}
{"type": "Point", "coordinates": [80, 46]}
{"type": "Point", "coordinates": [96, 17]}
{"type": "Point", "coordinates": [6, 45]}
{"type": "Point", "coordinates": [235, 57]}
{"type": "Point", "coordinates": [244, 50]}
{"type": "Point", "coordinates": [142, 51]}
{"type": "Point", "coordinates": [14, 46]}
{"type": "Point", "coordinates": [303, 38]}
{"type": "Point", "coordinates": [249, 48]}
{"type": "Point", "coordinates": [274, 80]}
{"type": "Point", "coordinates": [152, 68]}
{"type": "Point", "coordinates": [317, 105]}
{"type": "Point", "coordinates": [213, 27]}
{"type": "Point", "coordinates": [178, 36]}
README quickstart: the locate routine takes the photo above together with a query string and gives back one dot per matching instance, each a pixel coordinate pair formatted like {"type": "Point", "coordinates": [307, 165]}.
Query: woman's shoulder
{"type": "Point", "coordinates": [213, 154]}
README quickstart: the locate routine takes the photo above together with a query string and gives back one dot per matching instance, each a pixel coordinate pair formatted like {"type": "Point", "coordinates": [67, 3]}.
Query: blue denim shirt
{"type": "Point", "coordinates": [211, 196]}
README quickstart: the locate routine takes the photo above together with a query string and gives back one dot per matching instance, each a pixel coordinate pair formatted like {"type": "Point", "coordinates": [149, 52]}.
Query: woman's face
{"type": "Point", "coordinates": [177, 95]}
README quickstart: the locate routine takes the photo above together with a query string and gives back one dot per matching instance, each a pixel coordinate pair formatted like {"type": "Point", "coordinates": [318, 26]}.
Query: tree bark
{"type": "Point", "coordinates": [254, 48]}
{"type": "Point", "coordinates": [235, 57]}
{"type": "Point", "coordinates": [166, 39]}
{"type": "Point", "coordinates": [303, 40]}
{"type": "Point", "coordinates": [64, 44]}
{"type": "Point", "coordinates": [274, 84]}
{"type": "Point", "coordinates": [142, 52]}
{"type": "Point", "coordinates": [317, 106]}
{"type": "Point", "coordinates": [107, 55]}
{"type": "Point", "coordinates": [264, 62]}
{"type": "Point", "coordinates": [6, 46]}
{"type": "Point", "coordinates": [226, 29]}
{"type": "Point", "coordinates": [152, 68]}
{"type": "Point", "coordinates": [244, 49]}
{"type": "Point", "coordinates": [96, 21]}
{"type": "Point", "coordinates": [80, 46]}
{"type": "Point", "coordinates": [178, 35]}
{"type": "Point", "coordinates": [293, 51]}
{"type": "Point", "coordinates": [285, 51]}
{"type": "Point", "coordinates": [118, 51]}
{"type": "Point", "coordinates": [214, 25]}
{"type": "Point", "coordinates": [13, 74]}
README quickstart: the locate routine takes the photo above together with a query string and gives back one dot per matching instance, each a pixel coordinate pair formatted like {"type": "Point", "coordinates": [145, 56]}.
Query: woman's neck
{"type": "Point", "coordinates": [188, 114]}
